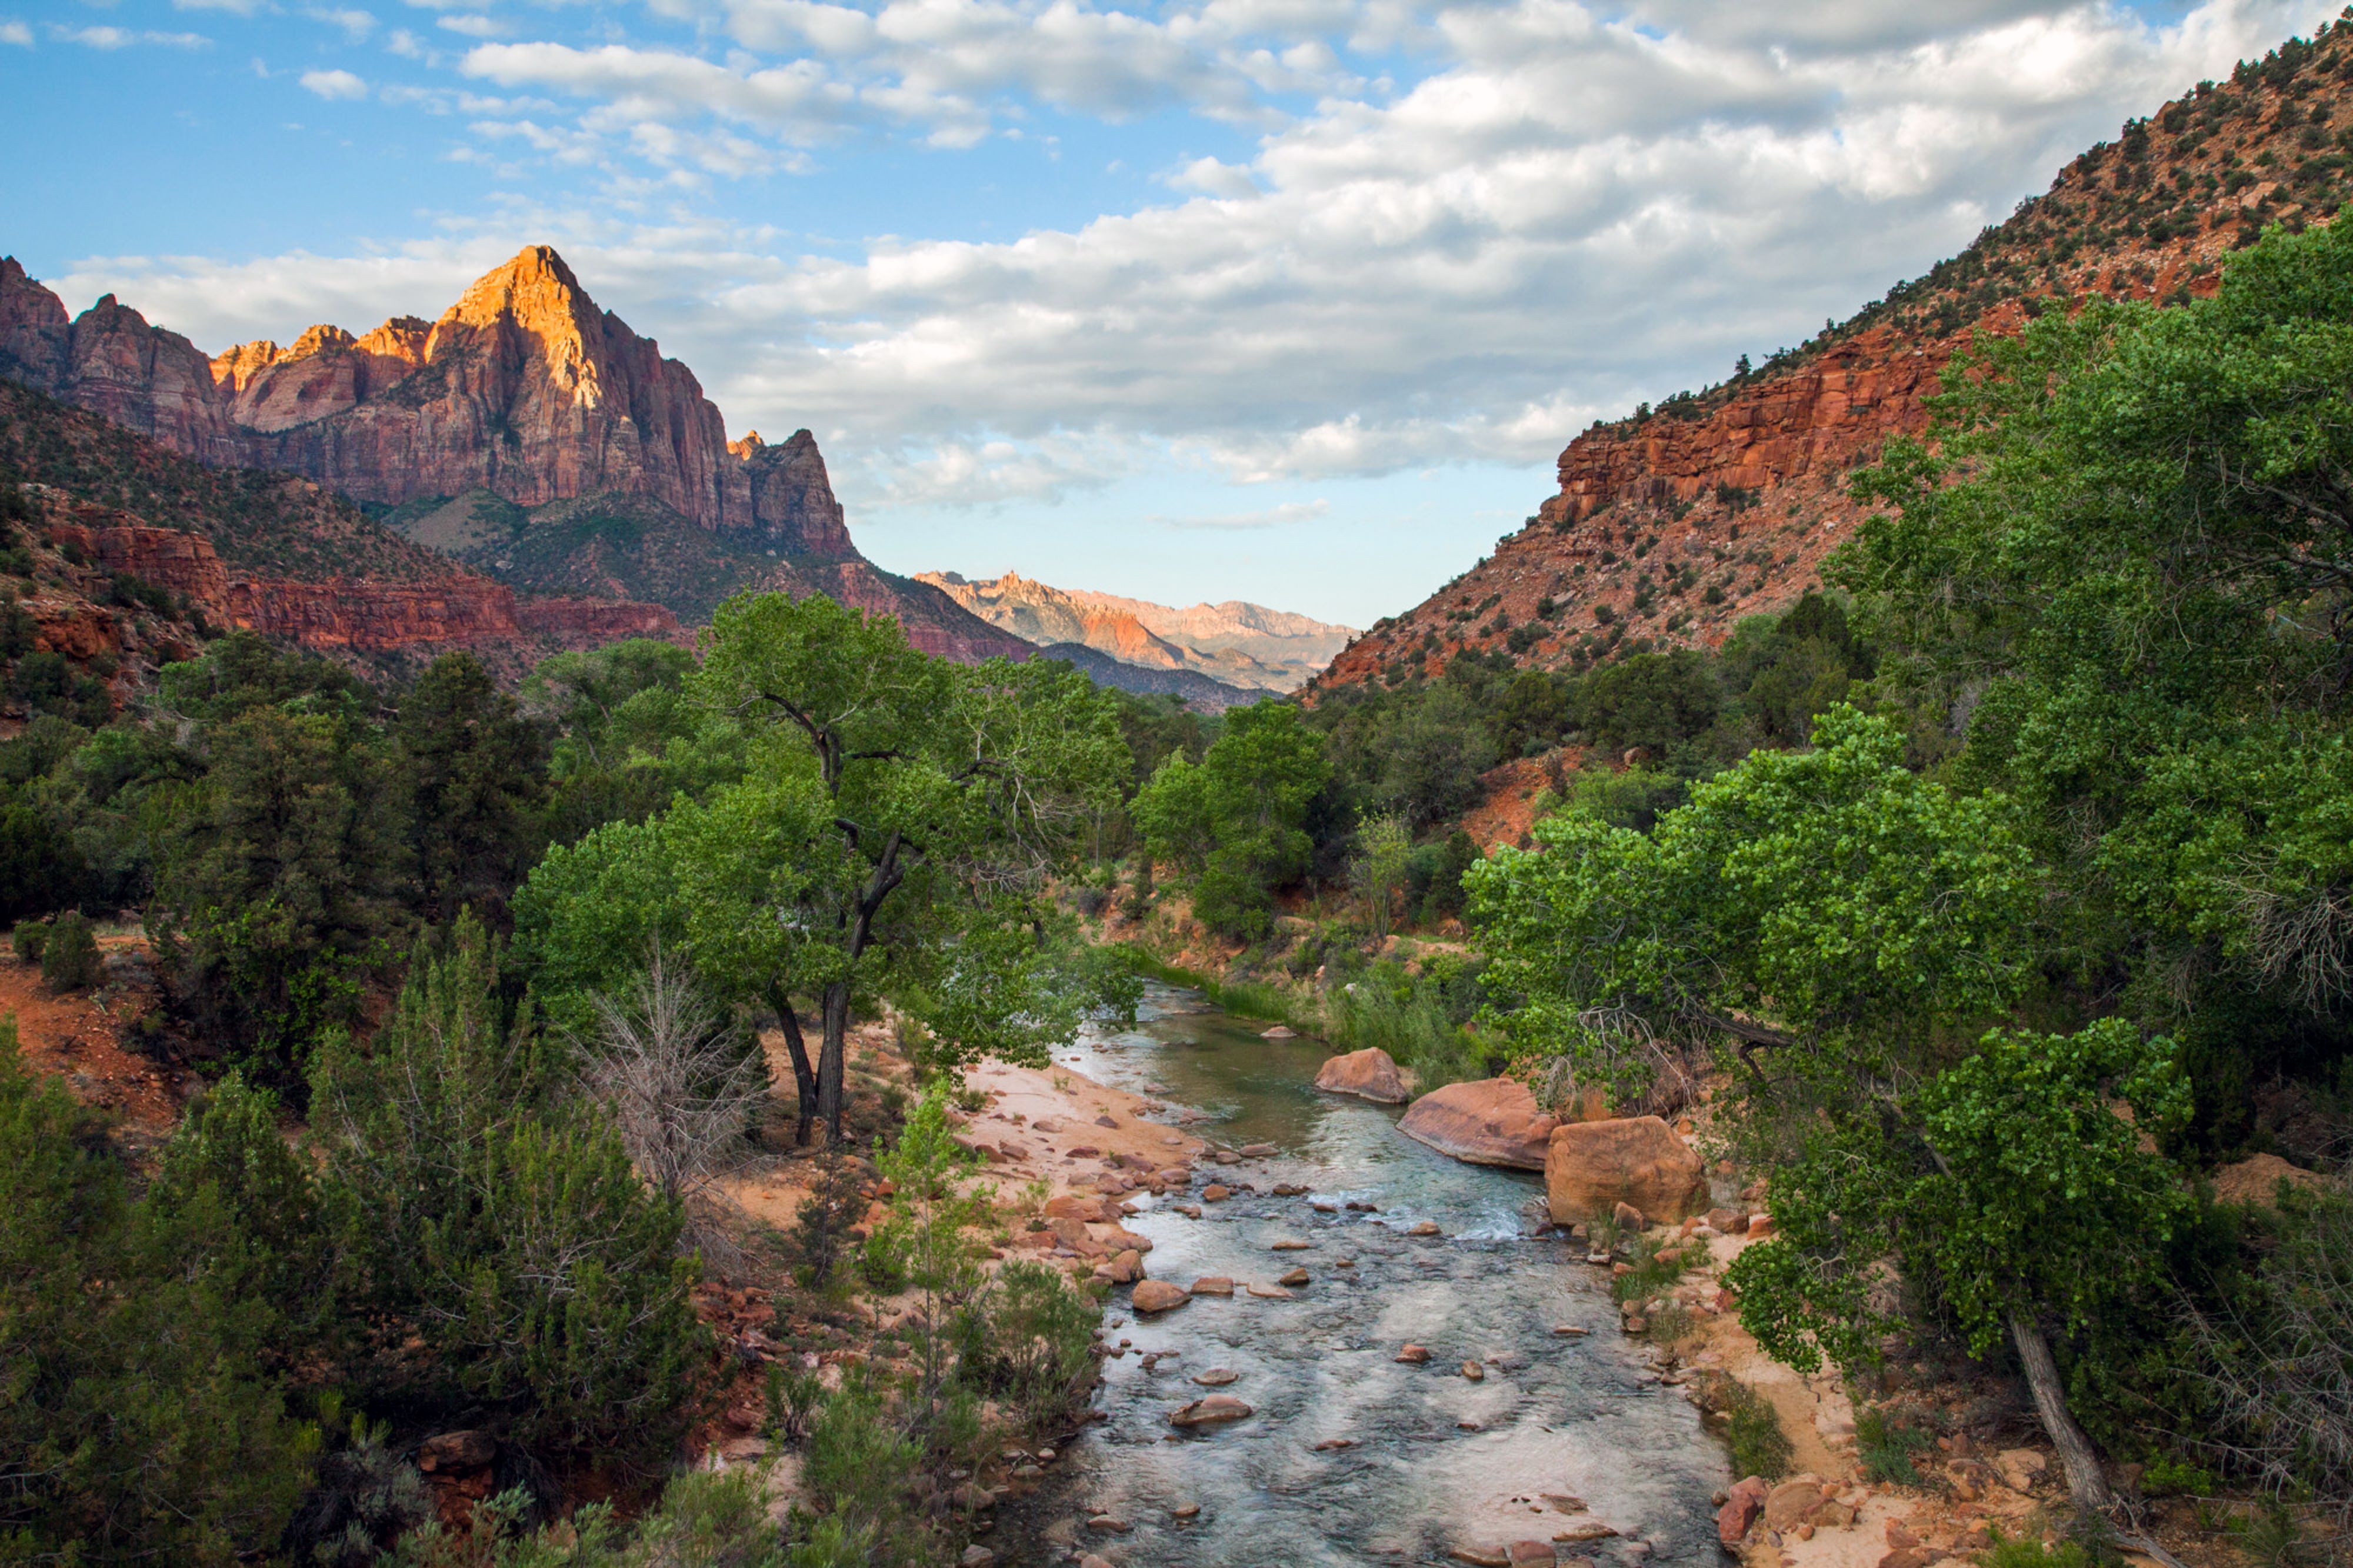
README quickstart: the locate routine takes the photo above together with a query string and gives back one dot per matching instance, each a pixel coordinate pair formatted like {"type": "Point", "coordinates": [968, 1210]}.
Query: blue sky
{"type": "Point", "coordinates": [1292, 300]}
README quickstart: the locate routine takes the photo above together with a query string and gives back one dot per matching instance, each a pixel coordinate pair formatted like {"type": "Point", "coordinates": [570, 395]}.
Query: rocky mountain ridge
{"type": "Point", "coordinates": [1236, 643]}
{"type": "Point", "coordinates": [1670, 525]}
{"type": "Point", "coordinates": [525, 393]}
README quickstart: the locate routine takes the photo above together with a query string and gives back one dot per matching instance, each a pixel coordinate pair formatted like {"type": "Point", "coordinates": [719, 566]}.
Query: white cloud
{"type": "Point", "coordinates": [236, 8]}
{"type": "Point", "coordinates": [356, 25]}
{"type": "Point", "coordinates": [16, 32]}
{"type": "Point", "coordinates": [128, 37]}
{"type": "Point", "coordinates": [473, 26]}
{"type": "Point", "coordinates": [1570, 210]}
{"type": "Point", "coordinates": [334, 84]}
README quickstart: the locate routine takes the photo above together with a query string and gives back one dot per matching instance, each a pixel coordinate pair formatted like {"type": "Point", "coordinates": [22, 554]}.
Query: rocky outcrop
{"type": "Point", "coordinates": [1671, 524]}
{"type": "Point", "coordinates": [1591, 1167]}
{"type": "Point", "coordinates": [1489, 1121]}
{"type": "Point", "coordinates": [1369, 1074]}
{"type": "Point", "coordinates": [525, 393]}
{"type": "Point", "coordinates": [344, 614]}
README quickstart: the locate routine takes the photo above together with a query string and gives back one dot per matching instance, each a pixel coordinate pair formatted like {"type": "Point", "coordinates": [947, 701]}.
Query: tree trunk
{"type": "Point", "coordinates": [804, 1075]}
{"type": "Point", "coordinates": [829, 1062]}
{"type": "Point", "coordinates": [2086, 1483]}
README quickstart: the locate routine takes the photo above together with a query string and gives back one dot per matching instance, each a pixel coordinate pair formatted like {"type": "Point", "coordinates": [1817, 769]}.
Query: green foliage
{"type": "Point", "coordinates": [1631, 798]}
{"type": "Point", "coordinates": [29, 940]}
{"type": "Point", "coordinates": [1885, 1448]}
{"type": "Point", "coordinates": [1652, 700]}
{"type": "Point", "coordinates": [1753, 1431]}
{"type": "Point", "coordinates": [69, 955]}
{"type": "Point", "coordinates": [477, 772]}
{"type": "Point", "coordinates": [137, 1419]}
{"type": "Point", "coordinates": [1024, 1340]}
{"type": "Point", "coordinates": [2026, 1551]}
{"type": "Point", "coordinates": [1382, 860]}
{"type": "Point", "coordinates": [1235, 822]}
{"type": "Point", "coordinates": [504, 1229]}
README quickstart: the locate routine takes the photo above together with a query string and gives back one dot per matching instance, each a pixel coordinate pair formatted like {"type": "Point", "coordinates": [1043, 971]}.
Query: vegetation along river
{"type": "Point", "coordinates": [1435, 1459]}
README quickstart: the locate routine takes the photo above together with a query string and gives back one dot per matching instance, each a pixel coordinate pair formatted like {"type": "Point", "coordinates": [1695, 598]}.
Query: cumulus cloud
{"type": "Point", "coordinates": [1561, 209]}
{"type": "Point", "coordinates": [16, 33]}
{"type": "Point", "coordinates": [356, 25]}
{"type": "Point", "coordinates": [334, 84]}
{"type": "Point", "coordinates": [128, 37]}
{"type": "Point", "coordinates": [1267, 517]}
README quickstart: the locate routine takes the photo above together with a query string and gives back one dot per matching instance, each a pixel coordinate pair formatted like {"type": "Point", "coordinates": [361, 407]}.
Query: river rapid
{"type": "Point", "coordinates": [1561, 1435]}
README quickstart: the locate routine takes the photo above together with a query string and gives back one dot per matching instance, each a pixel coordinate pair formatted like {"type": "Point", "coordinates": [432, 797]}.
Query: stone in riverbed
{"type": "Point", "coordinates": [1296, 1277]}
{"type": "Point", "coordinates": [1185, 1510]}
{"type": "Point", "coordinates": [1269, 1292]}
{"type": "Point", "coordinates": [1490, 1121]}
{"type": "Point", "coordinates": [1369, 1074]}
{"type": "Point", "coordinates": [1216, 1193]}
{"type": "Point", "coordinates": [1530, 1552]}
{"type": "Point", "coordinates": [1483, 1556]}
{"type": "Point", "coordinates": [1413, 1355]}
{"type": "Point", "coordinates": [1474, 1372]}
{"type": "Point", "coordinates": [1289, 1244]}
{"type": "Point", "coordinates": [1216, 1377]}
{"type": "Point", "coordinates": [1278, 1033]}
{"type": "Point", "coordinates": [1213, 1285]}
{"type": "Point", "coordinates": [1425, 1228]}
{"type": "Point", "coordinates": [1211, 1411]}
{"type": "Point", "coordinates": [1111, 1522]}
{"type": "Point", "coordinates": [1256, 1151]}
{"type": "Point", "coordinates": [1592, 1168]}
{"type": "Point", "coordinates": [1740, 1509]}
{"type": "Point", "coordinates": [1158, 1296]}
{"type": "Point", "coordinates": [976, 1557]}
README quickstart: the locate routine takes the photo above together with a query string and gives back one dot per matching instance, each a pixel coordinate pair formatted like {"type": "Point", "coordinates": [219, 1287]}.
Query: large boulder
{"type": "Point", "coordinates": [1592, 1167]}
{"type": "Point", "coordinates": [1491, 1122]}
{"type": "Point", "coordinates": [1368, 1074]}
{"type": "Point", "coordinates": [1158, 1296]}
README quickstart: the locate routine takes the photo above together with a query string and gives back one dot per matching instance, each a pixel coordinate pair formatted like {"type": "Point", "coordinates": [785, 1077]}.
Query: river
{"type": "Point", "coordinates": [1437, 1459]}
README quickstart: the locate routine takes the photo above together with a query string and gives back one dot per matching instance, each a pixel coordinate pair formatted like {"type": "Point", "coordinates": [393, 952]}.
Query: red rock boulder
{"type": "Point", "coordinates": [1491, 1122]}
{"type": "Point", "coordinates": [1591, 1167]}
{"type": "Point", "coordinates": [1368, 1074]}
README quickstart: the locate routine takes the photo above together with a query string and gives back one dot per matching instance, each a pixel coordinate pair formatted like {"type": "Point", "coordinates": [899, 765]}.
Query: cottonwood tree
{"type": "Point", "coordinates": [1843, 933]}
{"type": "Point", "coordinates": [892, 834]}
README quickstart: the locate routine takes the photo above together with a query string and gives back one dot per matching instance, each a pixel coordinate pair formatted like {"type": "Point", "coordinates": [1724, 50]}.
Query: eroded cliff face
{"type": "Point", "coordinates": [525, 388]}
{"type": "Point", "coordinates": [1670, 525]}
{"type": "Point", "coordinates": [526, 393]}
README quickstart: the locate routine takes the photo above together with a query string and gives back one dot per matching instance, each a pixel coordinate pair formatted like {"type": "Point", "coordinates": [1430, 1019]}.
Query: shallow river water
{"type": "Point", "coordinates": [1438, 1460]}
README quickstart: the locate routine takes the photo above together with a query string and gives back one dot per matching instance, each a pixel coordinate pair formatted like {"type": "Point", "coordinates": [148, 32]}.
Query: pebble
{"type": "Point", "coordinates": [1425, 1228]}
{"type": "Point", "coordinates": [1329, 1444]}
{"type": "Point", "coordinates": [1413, 1355]}
{"type": "Point", "coordinates": [1216, 1193]}
{"type": "Point", "coordinates": [1288, 1244]}
{"type": "Point", "coordinates": [1185, 1510]}
{"type": "Point", "coordinates": [1570, 1330]}
{"type": "Point", "coordinates": [1474, 1372]}
{"type": "Point", "coordinates": [1216, 1377]}
{"type": "Point", "coordinates": [1296, 1277]}
{"type": "Point", "coordinates": [1211, 1410]}
{"type": "Point", "coordinates": [1110, 1522]}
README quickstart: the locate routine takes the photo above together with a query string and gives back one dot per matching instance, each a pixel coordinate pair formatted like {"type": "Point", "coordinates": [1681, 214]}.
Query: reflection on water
{"type": "Point", "coordinates": [1416, 1459]}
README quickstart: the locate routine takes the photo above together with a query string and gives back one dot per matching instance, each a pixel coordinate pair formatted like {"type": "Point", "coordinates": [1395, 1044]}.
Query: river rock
{"type": "Point", "coordinates": [1474, 1372]}
{"type": "Point", "coordinates": [1491, 1122]}
{"type": "Point", "coordinates": [1111, 1522]}
{"type": "Point", "coordinates": [1211, 1411]}
{"type": "Point", "coordinates": [1185, 1511]}
{"type": "Point", "coordinates": [1791, 1503]}
{"type": "Point", "coordinates": [1369, 1074]}
{"type": "Point", "coordinates": [1127, 1267]}
{"type": "Point", "coordinates": [1257, 1151]}
{"type": "Point", "coordinates": [1269, 1292]}
{"type": "Point", "coordinates": [1590, 1167]}
{"type": "Point", "coordinates": [1158, 1296]}
{"type": "Point", "coordinates": [1483, 1556]}
{"type": "Point", "coordinates": [1216, 1193]}
{"type": "Point", "coordinates": [1296, 1277]}
{"type": "Point", "coordinates": [1278, 1033]}
{"type": "Point", "coordinates": [1213, 1285]}
{"type": "Point", "coordinates": [976, 1557]}
{"type": "Point", "coordinates": [1216, 1377]}
{"type": "Point", "coordinates": [1739, 1512]}
{"type": "Point", "coordinates": [1413, 1355]}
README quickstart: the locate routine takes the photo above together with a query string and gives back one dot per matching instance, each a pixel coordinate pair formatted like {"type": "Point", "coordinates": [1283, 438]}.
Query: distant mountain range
{"type": "Point", "coordinates": [1237, 644]}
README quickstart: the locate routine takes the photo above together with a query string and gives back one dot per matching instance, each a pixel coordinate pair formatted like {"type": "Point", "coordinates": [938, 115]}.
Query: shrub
{"type": "Point", "coordinates": [1885, 1446]}
{"type": "Point", "coordinates": [69, 958]}
{"type": "Point", "coordinates": [138, 1426]}
{"type": "Point", "coordinates": [1025, 1341]}
{"type": "Point", "coordinates": [1753, 1432]}
{"type": "Point", "coordinates": [28, 938]}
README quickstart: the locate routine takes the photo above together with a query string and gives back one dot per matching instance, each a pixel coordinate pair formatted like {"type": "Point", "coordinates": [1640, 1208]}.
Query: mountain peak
{"type": "Point", "coordinates": [536, 288]}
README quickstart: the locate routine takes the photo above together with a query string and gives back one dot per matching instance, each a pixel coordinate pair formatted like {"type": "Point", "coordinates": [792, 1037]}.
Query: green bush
{"type": "Point", "coordinates": [29, 939]}
{"type": "Point", "coordinates": [70, 958]}
{"type": "Point", "coordinates": [503, 1227]}
{"type": "Point", "coordinates": [139, 1426]}
{"type": "Point", "coordinates": [855, 1468]}
{"type": "Point", "coordinates": [1024, 1340]}
{"type": "Point", "coordinates": [1885, 1446]}
{"type": "Point", "coordinates": [2026, 1551]}
{"type": "Point", "coordinates": [1753, 1432]}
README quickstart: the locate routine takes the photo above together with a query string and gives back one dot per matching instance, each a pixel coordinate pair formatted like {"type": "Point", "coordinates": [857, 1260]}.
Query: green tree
{"type": "Point", "coordinates": [136, 1418]}
{"type": "Point", "coordinates": [476, 773]}
{"type": "Point", "coordinates": [1843, 930]}
{"type": "Point", "coordinates": [502, 1227]}
{"type": "Point", "coordinates": [2122, 575]}
{"type": "Point", "coordinates": [1235, 821]}
{"type": "Point", "coordinates": [1652, 700]}
{"type": "Point", "coordinates": [1384, 857]}
{"type": "Point", "coordinates": [916, 809]}
{"type": "Point", "coordinates": [277, 887]}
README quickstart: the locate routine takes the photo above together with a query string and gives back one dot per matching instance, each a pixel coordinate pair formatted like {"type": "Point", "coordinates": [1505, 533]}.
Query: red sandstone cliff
{"type": "Point", "coordinates": [1670, 526]}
